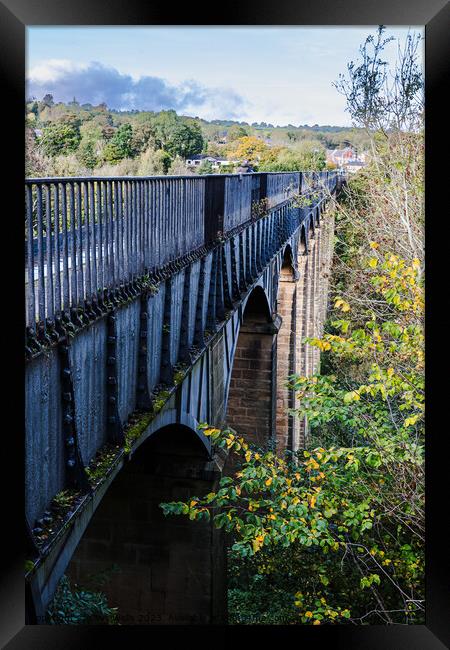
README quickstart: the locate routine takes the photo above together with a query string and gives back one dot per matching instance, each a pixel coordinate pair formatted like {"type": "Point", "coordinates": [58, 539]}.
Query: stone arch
{"type": "Point", "coordinates": [256, 307]}
{"type": "Point", "coordinates": [170, 570]}
{"type": "Point", "coordinates": [302, 245]}
{"type": "Point", "coordinates": [171, 417]}
{"type": "Point", "coordinates": [252, 378]}
{"type": "Point", "coordinates": [288, 262]}
{"type": "Point", "coordinates": [286, 349]}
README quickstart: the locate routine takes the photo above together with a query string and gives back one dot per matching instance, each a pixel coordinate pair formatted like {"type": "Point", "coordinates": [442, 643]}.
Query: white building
{"type": "Point", "coordinates": [198, 159]}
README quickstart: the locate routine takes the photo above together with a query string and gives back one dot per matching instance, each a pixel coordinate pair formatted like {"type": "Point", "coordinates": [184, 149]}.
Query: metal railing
{"type": "Point", "coordinates": [84, 235]}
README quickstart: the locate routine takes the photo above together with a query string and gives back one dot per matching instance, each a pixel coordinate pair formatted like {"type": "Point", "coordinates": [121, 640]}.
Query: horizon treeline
{"type": "Point", "coordinates": [68, 139]}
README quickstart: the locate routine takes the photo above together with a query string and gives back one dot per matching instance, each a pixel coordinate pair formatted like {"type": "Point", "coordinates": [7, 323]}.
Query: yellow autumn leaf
{"type": "Point", "coordinates": [269, 481]}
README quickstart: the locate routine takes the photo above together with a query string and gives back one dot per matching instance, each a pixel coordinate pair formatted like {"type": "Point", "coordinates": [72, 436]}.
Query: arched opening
{"type": "Point", "coordinates": [168, 570]}
{"type": "Point", "coordinates": [310, 300]}
{"type": "Point", "coordinates": [302, 309]}
{"type": "Point", "coordinates": [250, 405]}
{"type": "Point", "coordinates": [286, 351]}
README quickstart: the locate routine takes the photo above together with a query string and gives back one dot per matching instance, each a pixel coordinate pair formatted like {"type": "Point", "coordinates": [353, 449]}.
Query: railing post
{"type": "Point", "coordinates": [214, 206]}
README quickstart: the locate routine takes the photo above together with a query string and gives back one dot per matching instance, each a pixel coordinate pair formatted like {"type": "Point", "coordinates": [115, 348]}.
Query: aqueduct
{"type": "Point", "coordinates": [153, 305]}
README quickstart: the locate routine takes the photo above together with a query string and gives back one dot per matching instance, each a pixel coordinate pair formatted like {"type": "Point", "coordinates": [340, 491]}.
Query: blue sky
{"type": "Point", "coordinates": [279, 75]}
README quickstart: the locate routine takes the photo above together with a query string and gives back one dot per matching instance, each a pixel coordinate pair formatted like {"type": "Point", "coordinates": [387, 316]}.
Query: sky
{"type": "Point", "coordinates": [279, 75]}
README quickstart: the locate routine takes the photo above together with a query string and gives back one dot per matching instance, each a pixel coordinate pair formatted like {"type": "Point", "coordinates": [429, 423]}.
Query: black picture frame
{"type": "Point", "coordinates": [15, 16]}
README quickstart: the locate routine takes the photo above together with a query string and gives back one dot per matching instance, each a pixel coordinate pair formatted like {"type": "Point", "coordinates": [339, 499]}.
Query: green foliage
{"type": "Point", "coordinates": [102, 463]}
{"type": "Point", "coordinates": [86, 154]}
{"type": "Point", "coordinates": [143, 136]}
{"type": "Point", "coordinates": [154, 162]}
{"type": "Point", "coordinates": [120, 145]}
{"type": "Point", "coordinates": [357, 505]}
{"type": "Point", "coordinates": [79, 607]}
{"type": "Point", "coordinates": [185, 140]}
{"type": "Point", "coordinates": [295, 160]}
{"type": "Point", "coordinates": [237, 131]}
{"type": "Point", "coordinates": [61, 137]}
{"type": "Point", "coordinates": [176, 135]}
{"type": "Point", "coordinates": [104, 144]}
{"type": "Point", "coordinates": [205, 168]}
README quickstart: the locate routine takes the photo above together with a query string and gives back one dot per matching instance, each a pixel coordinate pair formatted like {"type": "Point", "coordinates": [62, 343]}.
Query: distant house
{"type": "Point", "coordinates": [353, 166]}
{"type": "Point", "coordinates": [198, 159]}
{"type": "Point", "coordinates": [346, 158]}
{"type": "Point", "coordinates": [195, 161]}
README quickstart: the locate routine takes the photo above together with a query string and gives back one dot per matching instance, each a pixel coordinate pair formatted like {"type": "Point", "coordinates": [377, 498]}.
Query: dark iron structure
{"type": "Point", "coordinates": [135, 290]}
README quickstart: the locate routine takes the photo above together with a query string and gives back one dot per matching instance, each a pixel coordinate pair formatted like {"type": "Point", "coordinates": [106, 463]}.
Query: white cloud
{"type": "Point", "coordinates": [95, 82]}
{"type": "Point", "coordinates": [53, 69]}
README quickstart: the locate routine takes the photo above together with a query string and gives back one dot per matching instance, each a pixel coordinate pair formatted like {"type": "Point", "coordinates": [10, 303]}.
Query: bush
{"type": "Point", "coordinates": [153, 162]}
{"type": "Point", "coordinates": [79, 607]}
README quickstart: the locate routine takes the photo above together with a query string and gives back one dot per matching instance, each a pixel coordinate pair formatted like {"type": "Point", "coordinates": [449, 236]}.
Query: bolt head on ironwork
{"type": "Point", "coordinates": [70, 442]}
{"type": "Point", "coordinates": [67, 397]}
{"type": "Point", "coordinates": [71, 463]}
{"type": "Point", "coordinates": [112, 339]}
{"type": "Point", "coordinates": [68, 419]}
{"type": "Point", "coordinates": [66, 372]}
{"type": "Point", "coordinates": [112, 399]}
{"type": "Point", "coordinates": [111, 361]}
{"type": "Point", "coordinates": [112, 381]}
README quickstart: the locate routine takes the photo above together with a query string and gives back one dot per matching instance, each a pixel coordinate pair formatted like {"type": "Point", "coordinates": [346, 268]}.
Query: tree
{"type": "Point", "coordinates": [108, 132]}
{"type": "Point", "coordinates": [47, 100]}
{"type": "Point", "coordinates": [120, 145]}
{"type": "Point", "coordinates": [178, 136]}
{"type": "Point", "coordinates": [349, 514]}
{"type": "Point", "coordinates": [185, 140]}
{"type": "Point", "coordinates": [143, 136]}
{"type": "Point", "coordinates": [61, 137]}
{"type": "Point", "coordinates": [86, 154]}
{"type": "Point", "coordinates": [389, 105]}
{"type": "Point", "coordinates": [36, 163]}
{"type": "Point", "coordinates": [178, 168]}
{"type": "Point", "coordinates": [304, 159]}
{"type": "Point", "coordinates": [248, 148]}
{"type": "Point", "coordinates": [378, 100]}
{"type": "Point", "coordinates": [154, 162]}
{"type": "Point", "coordinates": [235, 132]}
{"type": "Point", "coordinates": [205, 167]}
